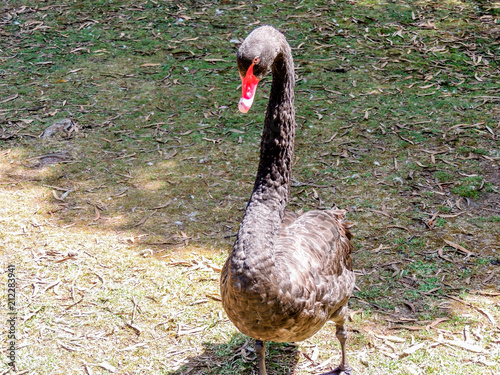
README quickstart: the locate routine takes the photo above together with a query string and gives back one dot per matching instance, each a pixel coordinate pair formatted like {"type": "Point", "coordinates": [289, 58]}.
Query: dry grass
{"type": "Point", "coordinates": [94, 300]}
{"type": "Point", "coordinates": [118, 228]}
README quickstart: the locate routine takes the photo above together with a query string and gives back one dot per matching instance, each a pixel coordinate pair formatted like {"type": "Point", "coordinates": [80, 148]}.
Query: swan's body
{"type": "Point", "coordinates": [287, 274]}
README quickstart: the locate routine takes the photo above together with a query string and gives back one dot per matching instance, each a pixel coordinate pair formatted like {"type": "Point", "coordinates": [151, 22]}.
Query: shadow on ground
{"type": "Point", "coordinates": [238, 357]}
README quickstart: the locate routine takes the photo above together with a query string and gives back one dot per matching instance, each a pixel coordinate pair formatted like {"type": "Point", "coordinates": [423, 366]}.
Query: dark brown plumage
{"type": "Point", "coordinates": [287, 275]}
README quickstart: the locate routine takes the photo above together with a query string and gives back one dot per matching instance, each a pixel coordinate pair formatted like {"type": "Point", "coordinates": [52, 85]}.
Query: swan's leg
{"type": "Point", "coordinates": [342, 337]}
{"type": "Point", "coordinates": [260, 350]}
{"type": "Point", "coordinates": [341, 333]}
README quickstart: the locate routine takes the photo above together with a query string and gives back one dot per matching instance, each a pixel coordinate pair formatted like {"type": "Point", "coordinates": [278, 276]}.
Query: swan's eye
{"type": "Point", "coordinates": [256, 60]}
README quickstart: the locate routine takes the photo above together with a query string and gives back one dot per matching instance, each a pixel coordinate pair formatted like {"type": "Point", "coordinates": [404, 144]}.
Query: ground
{"type": "Point", "coordinates": [125, 168]}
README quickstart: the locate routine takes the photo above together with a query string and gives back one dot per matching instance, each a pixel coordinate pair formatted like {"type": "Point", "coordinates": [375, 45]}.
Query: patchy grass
{"type": "Point", "coordinates": [118, 225]}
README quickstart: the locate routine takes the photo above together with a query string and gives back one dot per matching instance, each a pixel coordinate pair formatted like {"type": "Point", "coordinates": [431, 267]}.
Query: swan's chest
{"type": "Point", "coordinates": [271, 307]}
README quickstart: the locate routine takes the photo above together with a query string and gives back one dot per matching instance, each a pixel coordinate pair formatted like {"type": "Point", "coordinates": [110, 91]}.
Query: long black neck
{"type": "Point", "coordinates": [278, 136]}
{"type": "Point", "coordinates": [265, 209]}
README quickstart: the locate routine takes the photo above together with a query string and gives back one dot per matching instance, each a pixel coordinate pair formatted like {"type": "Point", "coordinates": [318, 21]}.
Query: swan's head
{"type": "Point", "coordinates": [255, 57]}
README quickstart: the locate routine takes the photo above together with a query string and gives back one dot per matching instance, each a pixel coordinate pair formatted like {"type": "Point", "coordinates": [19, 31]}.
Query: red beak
{"type": "Point", "coordinates": [248, 89]}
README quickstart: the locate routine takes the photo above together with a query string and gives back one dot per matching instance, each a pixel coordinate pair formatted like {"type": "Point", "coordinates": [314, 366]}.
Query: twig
{"type": "Point", "coordinates": [143, 220]}
{"type": "Point", "coordinates": [484, 312]}
{"type": "Point", "coordinates": [74, 304]}
{"type": "Point", "coordinates": [460, 248]}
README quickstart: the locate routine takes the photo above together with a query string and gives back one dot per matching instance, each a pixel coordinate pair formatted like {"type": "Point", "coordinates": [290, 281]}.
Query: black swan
{"type": "Point", "coordinates": [287, 275]}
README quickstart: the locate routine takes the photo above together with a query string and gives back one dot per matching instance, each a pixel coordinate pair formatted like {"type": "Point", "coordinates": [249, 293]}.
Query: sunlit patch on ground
{"type": "Point", "coordinates": [118, 227]}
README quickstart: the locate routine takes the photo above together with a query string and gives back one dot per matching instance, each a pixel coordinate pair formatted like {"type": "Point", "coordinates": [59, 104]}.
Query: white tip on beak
{"type": "Point", "coordinates": [245, 104]}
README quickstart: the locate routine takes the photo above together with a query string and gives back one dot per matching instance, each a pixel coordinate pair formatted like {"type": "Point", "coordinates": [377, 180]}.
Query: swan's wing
{"type": "Point", "coordinates": [323, 237]}
{"type": "Point", "coordinates": [313, 254]}
{"type": "Point", "coordinates": [288, 219]}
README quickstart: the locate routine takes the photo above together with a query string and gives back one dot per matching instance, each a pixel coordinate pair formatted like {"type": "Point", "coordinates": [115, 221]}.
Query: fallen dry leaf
{"type": "Point", "coordinates": [488, 315]}
{"type": "Point", "coordinates": [459, 247]}
{"type": "Point", "coordinates": [105, 365]}
{"type": "Point", "coordinates": [465, 345]}
{"type": "Point", "coordinates": [412, 349]}
{"type": "Point", "coordinates": [391, 338]}
{"type": "Point", "coordinates": [148, 65]}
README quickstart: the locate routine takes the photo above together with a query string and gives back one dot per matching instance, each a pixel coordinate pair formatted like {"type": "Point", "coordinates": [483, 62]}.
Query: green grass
{"type": "Point", "coordinates": [469, 186]}
{"type": "Point", "coordinates": [397, 122]}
